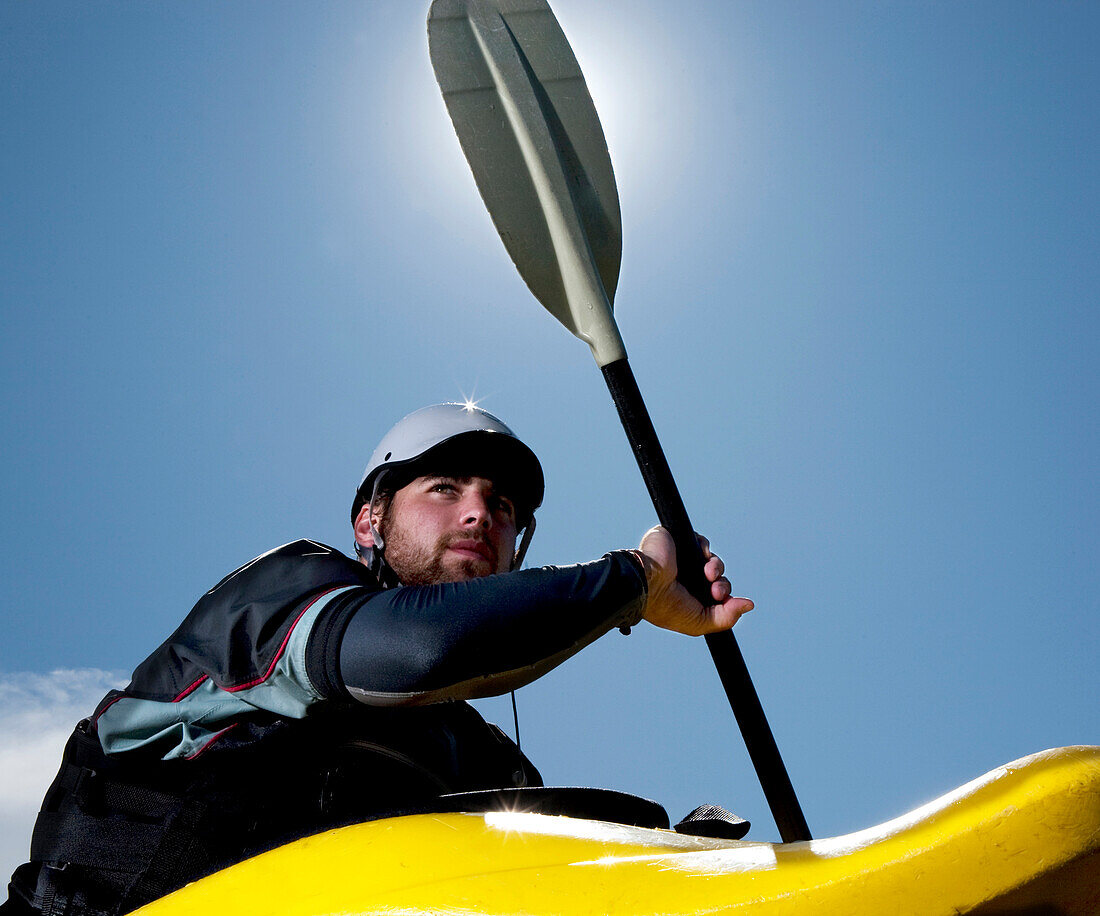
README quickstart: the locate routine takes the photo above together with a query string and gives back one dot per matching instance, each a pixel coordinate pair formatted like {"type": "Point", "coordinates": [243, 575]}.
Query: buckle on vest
{"type": "Point", "coordinates": [87, 789]}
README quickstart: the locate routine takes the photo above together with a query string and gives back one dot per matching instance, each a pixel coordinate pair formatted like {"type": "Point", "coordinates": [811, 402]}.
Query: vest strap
{"type": "Point", "coordinates": [91, 791]}
{"type": "Point", "coordinates": [66, 837]}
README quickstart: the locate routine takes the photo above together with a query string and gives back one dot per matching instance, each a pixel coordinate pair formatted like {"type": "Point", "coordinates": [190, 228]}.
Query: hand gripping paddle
{"type": "Point", "coordinates": [527, 125]}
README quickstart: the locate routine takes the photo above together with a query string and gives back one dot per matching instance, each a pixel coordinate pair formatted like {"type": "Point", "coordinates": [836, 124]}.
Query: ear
{"type": "Point", "coordinates": [363, 534]}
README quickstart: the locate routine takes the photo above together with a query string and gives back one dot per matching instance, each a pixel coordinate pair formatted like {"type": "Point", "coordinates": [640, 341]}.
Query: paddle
{"type": "Point", "coordinates": [527, 125]}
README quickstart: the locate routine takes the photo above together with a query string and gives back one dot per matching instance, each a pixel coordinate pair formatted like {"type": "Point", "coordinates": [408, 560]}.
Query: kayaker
{"type": "Point", "coordinates": [308, 690]}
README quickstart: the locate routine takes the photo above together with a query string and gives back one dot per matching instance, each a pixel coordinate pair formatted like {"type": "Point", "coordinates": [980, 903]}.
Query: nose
{"type": "Point", "coordinates": [475, 511]}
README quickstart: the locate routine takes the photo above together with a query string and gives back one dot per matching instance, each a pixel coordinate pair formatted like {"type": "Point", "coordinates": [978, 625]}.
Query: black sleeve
{"type": "Point", "coordinates": [414, 645]}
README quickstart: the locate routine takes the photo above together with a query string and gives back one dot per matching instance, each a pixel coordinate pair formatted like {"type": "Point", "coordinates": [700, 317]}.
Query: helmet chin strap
{"type": "Point", "coordinates": [375, 555]}
{"type": "Point", "coordinates": [524, 543]}
{"type": "Point", "coordinates": [376, 563]}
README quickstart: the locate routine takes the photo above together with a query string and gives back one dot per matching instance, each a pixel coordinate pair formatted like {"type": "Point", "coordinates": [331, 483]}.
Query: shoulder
{"type": "Point", "coordinates": [299, 564]}
{"type": "Point", "coordinates": [237, 630]}
{"type": "Point", "coordinates": [260, 598]}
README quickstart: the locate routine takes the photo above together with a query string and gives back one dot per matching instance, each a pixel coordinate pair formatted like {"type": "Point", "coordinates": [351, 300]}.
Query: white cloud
{"type": "Point", "coordinates": [37, 715]}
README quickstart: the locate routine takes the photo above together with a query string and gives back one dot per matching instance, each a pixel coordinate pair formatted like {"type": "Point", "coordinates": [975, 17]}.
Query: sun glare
{"type": "Point", "coordinates": [637, 86]}
{"type": "Point", "coordinates": [635, 77]}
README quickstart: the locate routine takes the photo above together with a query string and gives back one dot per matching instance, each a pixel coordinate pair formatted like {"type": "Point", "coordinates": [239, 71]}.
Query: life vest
{"type": "Point", "coordinates": [117, 831]}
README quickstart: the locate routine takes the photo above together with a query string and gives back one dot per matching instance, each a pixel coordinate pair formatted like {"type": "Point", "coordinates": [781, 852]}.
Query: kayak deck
{"type": "Point", "coordinates": [1023, 838]}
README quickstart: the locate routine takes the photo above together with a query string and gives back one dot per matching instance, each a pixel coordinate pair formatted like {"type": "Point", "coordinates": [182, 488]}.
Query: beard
{"type": "Point", "coordinates": [416, 562]}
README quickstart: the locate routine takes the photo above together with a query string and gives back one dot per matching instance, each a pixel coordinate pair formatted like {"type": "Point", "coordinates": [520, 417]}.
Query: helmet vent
{"type": "Point", "coordinates": [387, 458]}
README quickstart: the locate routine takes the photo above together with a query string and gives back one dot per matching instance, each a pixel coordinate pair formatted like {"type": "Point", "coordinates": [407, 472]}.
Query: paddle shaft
{"type": "Point", "coordinates": [689, 560]}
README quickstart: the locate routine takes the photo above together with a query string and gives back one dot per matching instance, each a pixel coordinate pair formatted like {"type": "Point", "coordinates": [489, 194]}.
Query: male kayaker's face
{"type": "Point", "coordinates": [448, 529]}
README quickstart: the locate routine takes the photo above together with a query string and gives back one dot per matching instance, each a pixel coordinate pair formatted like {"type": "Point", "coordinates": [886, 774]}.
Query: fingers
{"type": "Point", "coordinates": [727, 609]}
{"type": "Point", "coordinates": [704, 543]}
{"type": "Point", "coordinates": [670, 606]}
{"type": "Point", "coordinates": [658, 542]}
{"type": "Point", "coordinates": [714, 568]}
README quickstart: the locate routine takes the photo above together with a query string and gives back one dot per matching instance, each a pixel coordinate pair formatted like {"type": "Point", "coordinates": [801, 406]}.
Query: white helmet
{"type": "Point", "coordinates": [459, 439]}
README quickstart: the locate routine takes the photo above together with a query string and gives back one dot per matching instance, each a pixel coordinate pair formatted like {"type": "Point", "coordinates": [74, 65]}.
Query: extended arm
{"type": "Point", "coordinates": [427, 644]}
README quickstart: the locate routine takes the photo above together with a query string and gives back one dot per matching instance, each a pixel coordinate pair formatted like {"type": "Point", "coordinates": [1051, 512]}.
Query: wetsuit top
{"type": "Point", "coordinates": [304, 624]}
{"type": "Point", "coordinates": [297, 695]}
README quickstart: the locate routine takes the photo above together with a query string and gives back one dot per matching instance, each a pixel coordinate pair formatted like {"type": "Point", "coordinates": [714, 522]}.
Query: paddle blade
{"type": "Point", "coordinates": [530, 132]}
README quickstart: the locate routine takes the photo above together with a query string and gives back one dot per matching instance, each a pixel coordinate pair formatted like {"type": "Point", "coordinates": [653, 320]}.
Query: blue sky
{"type": "Point", "coordinates": [859, 290]}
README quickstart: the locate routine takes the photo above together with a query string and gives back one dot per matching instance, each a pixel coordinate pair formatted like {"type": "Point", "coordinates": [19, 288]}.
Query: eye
{"type": "Point", "coordinates": [505, 507]}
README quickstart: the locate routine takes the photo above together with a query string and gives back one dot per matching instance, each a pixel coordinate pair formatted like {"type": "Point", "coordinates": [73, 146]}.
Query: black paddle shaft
{"type": "Point", "coordinates": [689, 560]}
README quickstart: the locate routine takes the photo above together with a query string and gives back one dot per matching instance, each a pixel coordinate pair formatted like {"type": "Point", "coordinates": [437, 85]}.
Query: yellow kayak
{"type": "Point", "coordinates": [1023, 839]}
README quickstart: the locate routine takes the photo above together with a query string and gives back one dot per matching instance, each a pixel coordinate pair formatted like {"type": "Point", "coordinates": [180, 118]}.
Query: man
{"type": "Point", "coordinates": [308, 690]}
